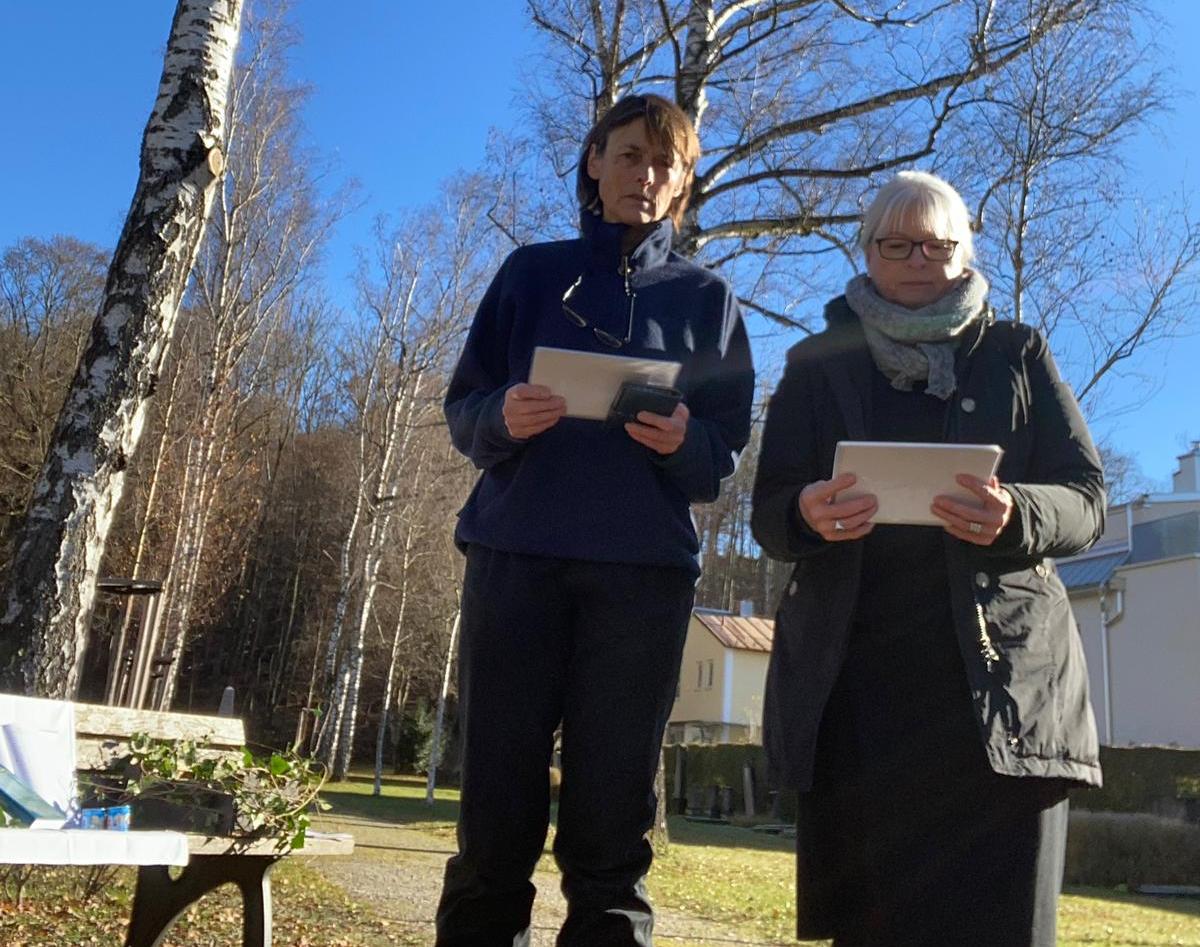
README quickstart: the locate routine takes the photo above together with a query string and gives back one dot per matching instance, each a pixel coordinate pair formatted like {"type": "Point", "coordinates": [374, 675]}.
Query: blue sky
{"type": "Point", "coordinates": [403, 96]}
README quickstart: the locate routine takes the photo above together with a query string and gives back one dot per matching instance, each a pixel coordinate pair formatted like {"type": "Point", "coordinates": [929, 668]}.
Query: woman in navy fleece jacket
{"type": "Point", "coordinates": [581, 552]}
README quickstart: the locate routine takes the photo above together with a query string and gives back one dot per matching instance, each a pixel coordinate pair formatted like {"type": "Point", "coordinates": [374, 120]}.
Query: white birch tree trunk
{"type": "Point", "coordinates": [350, 672]}
{"type": "Point", "coordinates": [398, 434]}
{"type": "Point", "coordinates": [700, 55]}
{"type": "Point", "coordinates": [435, 750]}
{"type": "Point", "coordinates": [185, 570]}
{"type": "Point", "coordinates": [699, 58]}
{"type": "Point", "coordinates": [326, 737]}
{"type": "Point", "coordinates": [390, 678]}
{"type": "Point", "coordinates": [51, 592]}
{"type": "Point", "coordinates": [391, 388]}
{"type": "Point", "coordinates": [410, 536]}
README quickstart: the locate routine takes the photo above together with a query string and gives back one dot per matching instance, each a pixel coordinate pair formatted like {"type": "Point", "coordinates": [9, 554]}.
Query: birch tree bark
{"type": "Point", "coordinates": [51, 590]}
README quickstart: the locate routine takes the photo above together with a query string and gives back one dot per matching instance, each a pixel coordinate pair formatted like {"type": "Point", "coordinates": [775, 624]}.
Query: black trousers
{"type": "Point", "coordinates": [958, 857]}
{"type": "Point", "coordinates": [595, 647]}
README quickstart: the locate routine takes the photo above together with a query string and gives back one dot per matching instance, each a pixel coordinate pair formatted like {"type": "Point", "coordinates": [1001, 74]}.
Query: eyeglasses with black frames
{"type": "Point", "coordinates": [900, 248]}
{"type": "Point", "coordinates": [607, 338]}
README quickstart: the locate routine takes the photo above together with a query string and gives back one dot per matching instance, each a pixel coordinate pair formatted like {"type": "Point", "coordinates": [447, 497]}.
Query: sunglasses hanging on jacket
{"type": "Point", "coordinates": [607, 338]}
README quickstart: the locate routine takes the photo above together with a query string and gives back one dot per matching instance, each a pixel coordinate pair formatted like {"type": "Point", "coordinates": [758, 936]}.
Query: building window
{"type": "Point", "coordinates": [708, 686]}
{"type": "Point", "coordinates": [699, 674]}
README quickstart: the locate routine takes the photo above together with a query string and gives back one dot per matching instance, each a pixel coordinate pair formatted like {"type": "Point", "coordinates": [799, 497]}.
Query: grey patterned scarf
{"type": "Point", "coordinates": [911, 345]}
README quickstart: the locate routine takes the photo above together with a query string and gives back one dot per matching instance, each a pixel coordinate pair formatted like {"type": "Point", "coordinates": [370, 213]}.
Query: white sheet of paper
{"type": "Point", "coordinates": [37, 744]}
{"type": "Point", "coordinates": [905, 476]}
{"type": "Point", "coordinates": [589, 381]}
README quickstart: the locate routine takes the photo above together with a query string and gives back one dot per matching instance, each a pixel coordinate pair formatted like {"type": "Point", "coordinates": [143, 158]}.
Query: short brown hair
{"type": "Point", "coordinates": [666, 124]}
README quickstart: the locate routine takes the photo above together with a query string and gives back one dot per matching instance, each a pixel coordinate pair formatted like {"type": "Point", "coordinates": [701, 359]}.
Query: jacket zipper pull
{"type": "Point", "coordinates": [988, 650]}
{"type": "Point", "coordinates": [623, 269]}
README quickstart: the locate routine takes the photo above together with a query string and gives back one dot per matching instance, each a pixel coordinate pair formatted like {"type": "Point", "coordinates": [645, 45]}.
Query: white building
{"type": "Point", "coordinates": [1136, 597]}
{"type": "Point", "coordinates": [722, 679]}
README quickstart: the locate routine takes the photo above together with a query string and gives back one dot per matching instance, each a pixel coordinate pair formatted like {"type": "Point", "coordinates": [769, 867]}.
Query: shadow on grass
{"type": "Point", "coordinates": [402, 803]}
{"type": "Point", "coordinates": [396, 779]}
{"type": "Point", "coordinates": [393, 809]}
{"type": "Point", "coordinates": [717, 835]}
{"type": "Point", "coordinates": [1188, 906]}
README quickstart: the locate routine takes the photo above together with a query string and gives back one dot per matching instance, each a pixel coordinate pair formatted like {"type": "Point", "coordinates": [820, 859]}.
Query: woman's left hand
{"type": "Point", "coordinates": [970, 523]}
{"type": "Point", "coordinates": [660, 433]}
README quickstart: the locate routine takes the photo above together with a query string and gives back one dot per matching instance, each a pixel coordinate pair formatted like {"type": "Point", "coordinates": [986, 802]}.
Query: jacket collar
{"type": "Point", "coordinates": [971, 340]}
{"type": "Point", "coordinates": [849, 367]}
{"type": "Point", "coordinates": [603, 241]}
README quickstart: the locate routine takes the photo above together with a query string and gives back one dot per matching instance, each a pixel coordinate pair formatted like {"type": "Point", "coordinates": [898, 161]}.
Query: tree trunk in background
{"type": "Point", "coordinates": [398, 435]}
{"type": "Point", "coordinates": [700, 55]}
{"type": "Point", "coordinates": [52, 586]}
{"type": "Point", "coordinates": [398, 636]}
{"type": "Point", "coordinates": [266, 227]}
{"type": "Point", "coordinates": [115, 693]}
{"type": "Point", "coordinates": [435, 751]}
{"type": "Point", "coordinates": [660, 836]}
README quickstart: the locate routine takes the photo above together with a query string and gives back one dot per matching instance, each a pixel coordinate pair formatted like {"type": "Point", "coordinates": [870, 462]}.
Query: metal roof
{"type": "Point", "coordinates": [1089, 573]}
{"type": "Point", "coordinates": [734, 631]}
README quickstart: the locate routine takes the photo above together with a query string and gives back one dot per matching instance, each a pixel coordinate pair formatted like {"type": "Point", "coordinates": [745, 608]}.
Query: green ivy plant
{"type": "Point", "coordinates": [1187, 787]}
{"type": "Point", "coordinates": [273, 796]}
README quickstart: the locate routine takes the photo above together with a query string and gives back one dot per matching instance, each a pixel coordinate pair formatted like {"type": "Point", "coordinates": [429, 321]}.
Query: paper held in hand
{"type": "Point", "coordinates": [905, 477]}
{"type": "Point", "coordinates": [589, 381]}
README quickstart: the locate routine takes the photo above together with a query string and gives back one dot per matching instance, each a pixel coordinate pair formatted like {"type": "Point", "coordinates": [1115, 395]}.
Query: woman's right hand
{"type": "Point", "coordinates": [531, 409]}
{"type": "Point", "coordinates": [835, 522]}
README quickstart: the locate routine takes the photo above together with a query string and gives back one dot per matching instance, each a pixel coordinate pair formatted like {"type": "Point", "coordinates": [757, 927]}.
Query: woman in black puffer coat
{"type": "Point", "coordinates": [927, 692]}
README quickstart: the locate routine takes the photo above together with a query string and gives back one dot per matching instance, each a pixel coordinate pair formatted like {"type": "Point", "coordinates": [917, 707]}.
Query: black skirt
{"type": "Point", "coordinates": [934, 858]}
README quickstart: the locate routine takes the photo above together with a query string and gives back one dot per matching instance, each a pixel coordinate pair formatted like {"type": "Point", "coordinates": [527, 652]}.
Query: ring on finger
{"type": "Point", "coordinates": [975, 528]}
{"type": "Point", "coordinates": [839, 526]}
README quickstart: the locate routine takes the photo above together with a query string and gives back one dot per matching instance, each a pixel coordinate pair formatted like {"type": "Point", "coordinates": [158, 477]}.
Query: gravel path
{"type": "Point", "coordinates": [397, 872]}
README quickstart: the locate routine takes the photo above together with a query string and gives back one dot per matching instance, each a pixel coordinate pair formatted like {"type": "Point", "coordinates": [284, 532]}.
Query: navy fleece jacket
{"type": "Point", "coordinates": [578, 490]}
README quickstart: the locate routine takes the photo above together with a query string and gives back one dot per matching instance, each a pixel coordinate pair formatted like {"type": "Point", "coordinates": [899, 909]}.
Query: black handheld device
{"type": "Point", "coordinates": [633, 397]}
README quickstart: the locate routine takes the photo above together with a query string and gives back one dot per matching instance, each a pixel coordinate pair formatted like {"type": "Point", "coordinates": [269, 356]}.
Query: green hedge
{"type": "Point", "coordinates": [1118, 842]}
{"type": "Point", "coordinates": [1140, 779]}
{"type": "Point", "coordinates": [1122, 848]}
{"type": "Point", "coordinates": [1136, 779]}
{"type": "Point", "coordinates": [721, 765]}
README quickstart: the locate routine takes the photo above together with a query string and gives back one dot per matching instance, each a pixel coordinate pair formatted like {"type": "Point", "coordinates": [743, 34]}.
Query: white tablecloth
{"type": "Point", "coordinates": [91, 847]}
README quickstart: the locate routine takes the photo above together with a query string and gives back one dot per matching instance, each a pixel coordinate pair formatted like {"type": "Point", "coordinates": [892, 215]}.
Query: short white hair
{"type": "Point", "coordinates": [923, 200]}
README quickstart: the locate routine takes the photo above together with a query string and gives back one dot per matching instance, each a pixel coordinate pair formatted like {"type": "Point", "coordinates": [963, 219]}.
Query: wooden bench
{"type": "Point", "coordinates": [102, 742]}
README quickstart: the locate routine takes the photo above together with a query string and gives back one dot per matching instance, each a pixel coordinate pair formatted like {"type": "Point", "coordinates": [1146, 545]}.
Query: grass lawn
{"type": "Point", "coordinates": [745, 878]}
{"type": "Point", "coordinates": [717, 872]}
{"type": "Point", "coordinates": [721, 873]}
{"type": "Point", "coordinates": [402, 803]}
